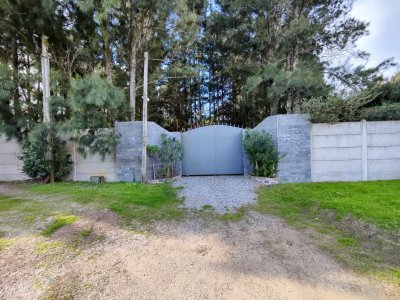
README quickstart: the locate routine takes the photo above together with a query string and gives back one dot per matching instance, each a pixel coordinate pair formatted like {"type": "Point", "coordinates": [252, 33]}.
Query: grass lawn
{"type": "Point", "coordinates": [376, 202]}
{"type": "Point", "coordinates": [137, 204]}
{"type": "Point", "coordinates": [358, 222]}
{"type": "Point", "coordinates": [133, 201]}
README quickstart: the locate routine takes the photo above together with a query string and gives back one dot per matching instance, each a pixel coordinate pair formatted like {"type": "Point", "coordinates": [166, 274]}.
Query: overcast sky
{"type": "Point", "coordinates": [384, 38]}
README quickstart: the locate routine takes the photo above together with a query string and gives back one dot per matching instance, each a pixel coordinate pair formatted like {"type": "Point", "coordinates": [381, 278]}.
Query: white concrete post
{"type": "Point", "coordinates": [364, 147]}
{"type": "Point", "coordinates": [144, 113]}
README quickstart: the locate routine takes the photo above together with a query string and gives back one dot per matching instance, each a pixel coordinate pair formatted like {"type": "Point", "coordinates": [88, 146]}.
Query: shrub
{"type": "Point", "coordinates": [171, 151]}
{"type": "Point", "coordinates": [261, 152]}
{"type": "Point", "coordinates": [387, 111]}
{"type": "Point", "coordinates": [334, 109]}
{"type": "Point", "coordinates": [43, 154]}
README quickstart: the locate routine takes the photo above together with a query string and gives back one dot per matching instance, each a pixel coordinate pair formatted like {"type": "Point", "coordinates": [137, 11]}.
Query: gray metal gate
{"type": "Point", "coordinates": [213, 150]}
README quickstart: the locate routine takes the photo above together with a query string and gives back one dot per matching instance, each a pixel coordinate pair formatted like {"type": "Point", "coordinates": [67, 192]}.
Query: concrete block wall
{"type": "Point", "coordinates": [92, 165]}
{"type": "Point", "coordinates": [129, 149]}
{"type": "Point", "coordinates": [292, 137]}
{"type": "Point", "coordinates": [10, 165]}
{"type": "Point", "coordinates": [351, 151]}
{"type": "Point", "coordinates": [356, 151]}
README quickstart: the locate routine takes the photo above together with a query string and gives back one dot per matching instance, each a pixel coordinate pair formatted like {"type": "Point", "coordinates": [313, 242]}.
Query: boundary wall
{"type": "Point", "coordinates": [349, 151]}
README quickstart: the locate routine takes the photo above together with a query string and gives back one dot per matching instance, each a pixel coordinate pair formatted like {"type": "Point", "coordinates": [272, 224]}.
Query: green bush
{"type": "Point", "coordinates": [43, 154]}
{"type": "Point", "coordinates": [387, 111]}
{"type": "Point", "coordinates": [334, 109]}
{"type": "Point", "coordinates": [261, 152]}
{"type": "Point", "coordinates": [171, 151]}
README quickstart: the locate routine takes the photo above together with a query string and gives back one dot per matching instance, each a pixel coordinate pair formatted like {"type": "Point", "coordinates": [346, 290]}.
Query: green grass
{"type": "Point", "coordinates": [5, 243]}
{"type": "Point", "coordinates": [357, 222]}
{"type": "Point", "coordinates": [59, 221]}
{"type": "Point", "coordinates": [28, 211]}
{"type": "Point", "coordinates": [375, 202]}
{"type": "Point", "coordinates": [234, 217]}
{"type": "Point", "coordinates": [347, 241]}
{"type": "Point", "coordinates": [135, 202]}
{"type": "Point", "coordinates": [9, 203]}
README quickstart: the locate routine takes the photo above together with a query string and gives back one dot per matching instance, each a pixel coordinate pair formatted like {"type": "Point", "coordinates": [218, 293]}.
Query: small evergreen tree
{"type": "Point", "coordinates": [171, 151]}
{"type": "Point", "coordinates": [43, 154]}
{"type": "Point", "coordinates": [261, 152]}
{"type": "Point", "coordinates": [95, 105]}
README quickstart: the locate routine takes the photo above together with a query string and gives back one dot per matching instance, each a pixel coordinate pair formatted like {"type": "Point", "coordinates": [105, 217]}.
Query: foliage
{"type": "Point", "coordinates": [95, 105]}
{"type": "Point", "coordinates": [7, 121]}
{"type": "Point", "coordinates": [152, 150]}
{"type": "Point", "coordinates": [171, 151]}
{"type": "Point", "coordinates": [333, 109]}
{"type": "Point", "coordinates": [269, 56]}
{"type": "Point", "coordinates": [384, 112]}
{"type": "Point", "coordinates": [43, 154]}
{"type": "Point", "coordinates": [262, 152]}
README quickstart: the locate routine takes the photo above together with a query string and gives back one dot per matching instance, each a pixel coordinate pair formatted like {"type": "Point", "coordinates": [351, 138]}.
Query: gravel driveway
{"type": "Point", "coordinates": [224, 193]}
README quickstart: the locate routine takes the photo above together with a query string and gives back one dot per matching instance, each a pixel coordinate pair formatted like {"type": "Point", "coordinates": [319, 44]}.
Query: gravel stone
{"type": "Point", "coordinates": [224, 193]}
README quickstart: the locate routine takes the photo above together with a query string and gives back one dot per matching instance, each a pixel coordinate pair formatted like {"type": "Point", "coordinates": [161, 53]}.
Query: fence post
{"type": "Point", "coordinates": [144, 113]}
{"type": "Point", "coordinates": [364, 150]}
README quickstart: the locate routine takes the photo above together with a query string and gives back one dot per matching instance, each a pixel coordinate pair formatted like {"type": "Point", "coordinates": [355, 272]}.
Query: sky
{"type": "Point", "coordinates": [383, 40]}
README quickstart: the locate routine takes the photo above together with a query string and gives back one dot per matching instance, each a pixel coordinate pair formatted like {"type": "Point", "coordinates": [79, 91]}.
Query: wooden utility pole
{"type": "Point", "coordinates": [45, 62]}
{"type": "Point", "coordinates": [144, 113]}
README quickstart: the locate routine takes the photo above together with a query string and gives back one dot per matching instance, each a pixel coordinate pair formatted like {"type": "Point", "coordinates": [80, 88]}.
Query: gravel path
{"type": "Point", "coordinates": [224, 193]}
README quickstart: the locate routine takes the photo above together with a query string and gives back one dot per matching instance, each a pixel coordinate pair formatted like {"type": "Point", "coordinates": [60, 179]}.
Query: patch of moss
{"type": "Point", "coordinates": [49, 247]}
{"type": "Point", "coordinates": [5, 243]}
{"type": "Point", "coordinates": [59, 222]}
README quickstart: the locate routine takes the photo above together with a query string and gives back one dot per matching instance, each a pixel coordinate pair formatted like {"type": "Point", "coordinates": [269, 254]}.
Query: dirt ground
{"type": "Point", "coordinates": [259, 257]}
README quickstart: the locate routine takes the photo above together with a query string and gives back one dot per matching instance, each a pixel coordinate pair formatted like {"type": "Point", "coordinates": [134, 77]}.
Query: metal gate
{"type": "Point", "coordinates": [213, 150]}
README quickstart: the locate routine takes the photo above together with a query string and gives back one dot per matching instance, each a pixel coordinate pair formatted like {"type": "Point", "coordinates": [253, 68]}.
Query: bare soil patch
{"type": "Point", "coordinates": [257, 258]}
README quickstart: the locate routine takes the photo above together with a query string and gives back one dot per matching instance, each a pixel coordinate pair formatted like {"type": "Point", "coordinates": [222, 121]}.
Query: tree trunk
{"type": "Point", "coordinates": [289, 103]}
{"type": "Point", "coordinates": [107, 51]}
{"type": "Point", "coordinates": [133, 61]}
{"type": "Point", "coordinates": [16, 104]}
{"type": "Point", "coordinates": [108, 61]}
{"type": "Point", "coordinates": [132, 80]}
